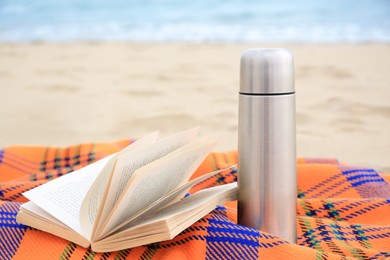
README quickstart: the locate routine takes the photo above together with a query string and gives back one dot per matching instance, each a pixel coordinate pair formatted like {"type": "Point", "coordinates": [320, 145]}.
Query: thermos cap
{"type": "Point", "coordinates": [266, 71]}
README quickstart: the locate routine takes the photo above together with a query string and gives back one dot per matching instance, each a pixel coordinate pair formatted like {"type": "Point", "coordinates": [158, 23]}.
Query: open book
{"type": "Point", "coordinates": [130, 198]}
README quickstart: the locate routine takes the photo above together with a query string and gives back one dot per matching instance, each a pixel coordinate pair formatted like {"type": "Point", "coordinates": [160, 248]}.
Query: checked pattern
{"type": "Point", "coordinates": [343, 212]}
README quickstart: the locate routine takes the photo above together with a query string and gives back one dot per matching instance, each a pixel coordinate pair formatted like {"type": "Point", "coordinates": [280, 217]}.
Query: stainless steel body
{"type": "Point", "coordinates": [267, 192]}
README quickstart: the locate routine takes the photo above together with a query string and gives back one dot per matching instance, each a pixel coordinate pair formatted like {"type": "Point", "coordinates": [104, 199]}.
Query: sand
{"type": "Point", "coordinates": [63, 94]}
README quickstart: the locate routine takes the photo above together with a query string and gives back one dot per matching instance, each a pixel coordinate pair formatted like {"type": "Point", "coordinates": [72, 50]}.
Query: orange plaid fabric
{"type": "Point", "coordinates": [343, 212]}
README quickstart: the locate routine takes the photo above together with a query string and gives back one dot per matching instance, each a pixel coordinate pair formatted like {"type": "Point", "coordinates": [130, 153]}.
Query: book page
{"type": "Point", "coordinates": [92, 199]}
{"type": "Point", "coordinates": [128, 163]}
{"type": "Point", "coordinates": [167, 223]}
{"type": "Point", "coordinates": [39, 213]}
{"type": "Point", "coordinates": [125, 168]}
{"type": "Point", "coordinates": [168, 199]}
{"type": "Point", "coordinates": [31, 215]}
{"type": "Point", "coordinates": [62, 197]}
{"type": "Point", "coordinates": [153, 181]}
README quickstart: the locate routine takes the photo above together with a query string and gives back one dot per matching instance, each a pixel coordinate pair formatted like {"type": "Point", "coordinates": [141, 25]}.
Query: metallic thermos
{"type": "Point", "coordinates": [267, 193]}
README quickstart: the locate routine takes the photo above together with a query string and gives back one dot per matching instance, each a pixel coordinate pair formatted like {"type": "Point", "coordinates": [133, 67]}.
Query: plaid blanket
{"type": "Point", "coordinates": [343, 212]}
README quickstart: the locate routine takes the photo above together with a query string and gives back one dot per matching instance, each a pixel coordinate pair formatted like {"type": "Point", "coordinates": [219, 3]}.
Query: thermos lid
{"type": "Point", "coordinates": [266, 71]}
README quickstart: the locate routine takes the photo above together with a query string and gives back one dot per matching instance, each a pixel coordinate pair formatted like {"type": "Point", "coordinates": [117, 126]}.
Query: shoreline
{"type": "Point", "coordinates": [61, 94]}
{"type": "Point", "coordinates": [193, 43]}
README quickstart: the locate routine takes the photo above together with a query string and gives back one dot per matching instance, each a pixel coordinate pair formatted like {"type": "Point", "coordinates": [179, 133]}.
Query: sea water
{"type": "Point", "coordinates": [195, 21]}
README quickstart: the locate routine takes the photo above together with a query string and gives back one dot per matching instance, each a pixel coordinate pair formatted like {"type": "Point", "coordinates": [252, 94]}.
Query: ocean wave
{"type": "Point", "coordinates": [197, 21]}
{"type": "Point", "coordinates": [195, 33]}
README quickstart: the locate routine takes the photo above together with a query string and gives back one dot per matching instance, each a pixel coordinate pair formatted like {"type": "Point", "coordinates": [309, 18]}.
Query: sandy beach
{"type": "Point", "coordinates": [63, 94]}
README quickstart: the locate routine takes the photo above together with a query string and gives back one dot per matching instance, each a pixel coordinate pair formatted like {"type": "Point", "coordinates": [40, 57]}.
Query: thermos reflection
{"type": "Point", "coordinates": [266, 143]}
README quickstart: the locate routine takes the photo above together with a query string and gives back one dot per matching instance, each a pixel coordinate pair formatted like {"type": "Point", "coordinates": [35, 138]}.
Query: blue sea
{"type": "Point", "coordinates": [195, 21]}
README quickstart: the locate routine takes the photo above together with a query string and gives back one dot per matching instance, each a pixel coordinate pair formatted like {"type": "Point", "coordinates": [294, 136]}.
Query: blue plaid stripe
{"type": "Point", "coordinates": [367, 182]}
{"type": "Point", "coordinates": [226, 240]}
{"type": "Point", "coordinates": [11, 232]}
